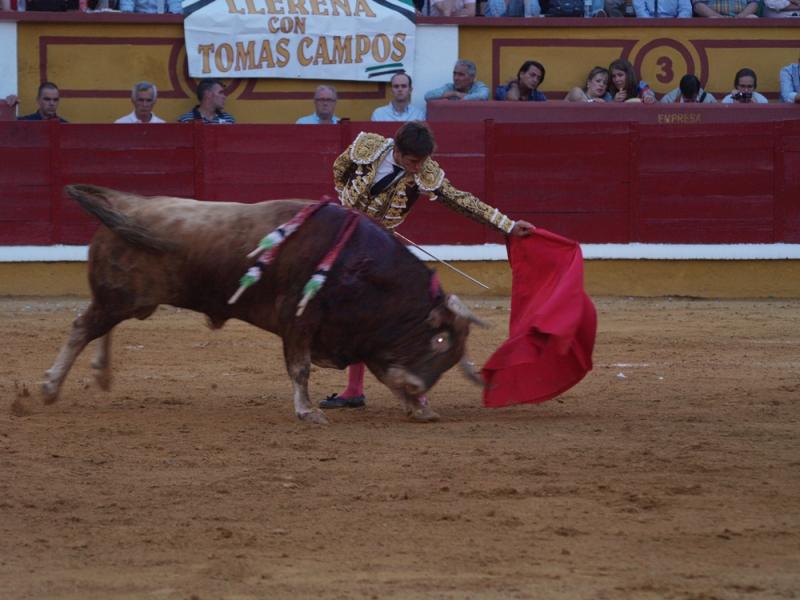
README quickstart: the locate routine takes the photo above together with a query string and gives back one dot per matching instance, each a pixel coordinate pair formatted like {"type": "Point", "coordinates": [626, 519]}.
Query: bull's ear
{"type": "Point", "coordinates": [438, 316]}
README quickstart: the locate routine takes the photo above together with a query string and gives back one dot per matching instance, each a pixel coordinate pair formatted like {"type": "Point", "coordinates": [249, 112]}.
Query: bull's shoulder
{"type": "Point", "coordinates": [367, 147]}
{"type": "Point", "coordinates": [430, 176]}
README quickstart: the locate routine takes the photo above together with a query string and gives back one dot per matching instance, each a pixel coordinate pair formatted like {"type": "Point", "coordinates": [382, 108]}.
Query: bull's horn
{"type": "Point", "coordinates": [459, 308]}
{"type": "Point", "coordinates": [470, 371]}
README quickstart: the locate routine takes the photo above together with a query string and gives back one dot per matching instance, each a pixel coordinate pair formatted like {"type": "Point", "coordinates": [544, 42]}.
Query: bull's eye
{"type": "Point", "coordinates": [440, 342]}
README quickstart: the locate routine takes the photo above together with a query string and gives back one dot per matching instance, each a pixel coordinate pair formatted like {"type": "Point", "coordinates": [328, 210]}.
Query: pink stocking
{"type": "Point", "coordinates": [355, 381]}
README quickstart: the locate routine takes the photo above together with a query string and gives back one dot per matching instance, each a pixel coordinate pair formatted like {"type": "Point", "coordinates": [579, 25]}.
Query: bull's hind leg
{"type": "Point", "coordinates": [89, 326]}
{"type": "Point", "coordinates": [298, 364]}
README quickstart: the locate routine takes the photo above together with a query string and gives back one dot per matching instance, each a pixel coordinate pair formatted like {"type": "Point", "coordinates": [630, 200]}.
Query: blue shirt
{"type": "Point", "coordinates": [313, 119]}
{"type": "Point", "coordinates": [478, 91]}
{"type": "Point", "coordinates": [501, 93]}
{"type": "Point", "coordinates": [666, 8]}
{"type": "Point", "coordinates": [388, 113]}
{"type": "Point", "coordinates": [150, 6]}
{"type": "Point", "coordinates": [790, 82]}
{"type": "Point", "coordinates": [37, 116]}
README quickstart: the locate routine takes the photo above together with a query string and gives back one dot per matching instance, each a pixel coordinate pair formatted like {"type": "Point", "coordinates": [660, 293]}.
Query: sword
{"type": "Point", "coordinates": [444, 262]}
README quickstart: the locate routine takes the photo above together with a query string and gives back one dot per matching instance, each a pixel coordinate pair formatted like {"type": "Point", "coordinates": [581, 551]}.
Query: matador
{"type": "Point", "coordinates": [383, 178]}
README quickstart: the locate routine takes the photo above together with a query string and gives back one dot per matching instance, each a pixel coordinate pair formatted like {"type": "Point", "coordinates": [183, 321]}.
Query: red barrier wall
{"type": "Point", "coordinates": [596, 182]}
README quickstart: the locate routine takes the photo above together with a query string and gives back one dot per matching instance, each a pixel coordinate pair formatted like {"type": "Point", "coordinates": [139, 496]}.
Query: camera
{"type": "Point", "coordinates": [742, 96]}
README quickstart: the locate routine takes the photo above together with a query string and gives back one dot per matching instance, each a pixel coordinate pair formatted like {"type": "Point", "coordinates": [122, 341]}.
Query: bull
{"type": "Point", "coordinates": [380, 305]}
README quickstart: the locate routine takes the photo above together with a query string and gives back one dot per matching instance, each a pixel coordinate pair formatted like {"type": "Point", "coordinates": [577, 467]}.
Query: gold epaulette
{"type": "Point", "coordinates": [430, 176]}
{"type": "Point", "coordinates": [367, 147]}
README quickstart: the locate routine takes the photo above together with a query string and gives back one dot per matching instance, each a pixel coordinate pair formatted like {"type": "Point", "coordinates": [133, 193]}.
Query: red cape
{"type": "Point", "coordinates": [553, 324]}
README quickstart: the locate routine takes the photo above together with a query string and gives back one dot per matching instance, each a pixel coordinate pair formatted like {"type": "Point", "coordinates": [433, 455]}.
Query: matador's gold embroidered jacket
{"type": "Point", "coordinates": [355, 170]}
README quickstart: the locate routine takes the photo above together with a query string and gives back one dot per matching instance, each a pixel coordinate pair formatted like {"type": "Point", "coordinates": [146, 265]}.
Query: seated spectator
{"type": "Point", "coordinates": [595, 90]}
{"type": "Point", "coordinates": [781, 8]}
{"type": "Point", "coordinates": [689, 90]}
{"type": "Point", "coordinates": [324, 107]}
{"type": "Point", "coordinates": [400, 108]}
{"type": "Point", "coordinates": [744, 91]}
{"type": "Point", "coordinates": [575, 8]}
{"type": "Point", "coordinates": [449, 8]}
{"type": "Point", "coordinates": [151, 6]}
{"type": "Point", "coordinates": [47, 99]}
{"type": "Point", "coordinates": [725, 8]}
{"type": "Point", "coordinates": [464, 86]}
{"type": "Point", "coordinates": [512, 8]}
{"type": "Point", "coordinates": [790, 82]}
{"type": "Point", "coordinates": [525, 86]}
{"type": "Point", "coordinates": [669, 9]}
{"type": "Point", "coordinates": [211, 95]}
{"type": "Point", "coordinates": [617, 8]}
{"type": "Point", "coordinates": [143, 98]}
{"type": "Point", "coordinates": [626, 86]}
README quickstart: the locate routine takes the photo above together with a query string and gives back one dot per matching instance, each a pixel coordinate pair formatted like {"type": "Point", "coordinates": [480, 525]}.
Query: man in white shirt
{"type": "Point", "coordinates": [400, 108]}
{"type": "Point", "coordinates": [143, 98]}
{"type": "Point", "coordinates": [324, 108]}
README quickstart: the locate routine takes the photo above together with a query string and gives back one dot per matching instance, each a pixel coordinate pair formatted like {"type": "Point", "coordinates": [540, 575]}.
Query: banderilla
{"type": "Point", "coordinates": [444, 262]}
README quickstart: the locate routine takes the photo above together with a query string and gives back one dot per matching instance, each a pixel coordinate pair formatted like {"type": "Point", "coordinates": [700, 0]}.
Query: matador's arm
{"type": "Point", "coordinates": [431, 180]}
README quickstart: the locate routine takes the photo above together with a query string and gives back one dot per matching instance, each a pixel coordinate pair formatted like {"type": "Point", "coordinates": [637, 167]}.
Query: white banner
{"type": "Point", "coordinates": [356, 40]}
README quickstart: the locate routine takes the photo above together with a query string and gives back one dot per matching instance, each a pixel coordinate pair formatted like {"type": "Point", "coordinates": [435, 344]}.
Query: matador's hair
{"type": "Point", "coordinates": [415, 138]}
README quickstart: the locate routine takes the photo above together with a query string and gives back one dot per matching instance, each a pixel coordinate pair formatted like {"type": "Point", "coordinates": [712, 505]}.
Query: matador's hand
{"type": "Point", "coordinates": [522, 229]}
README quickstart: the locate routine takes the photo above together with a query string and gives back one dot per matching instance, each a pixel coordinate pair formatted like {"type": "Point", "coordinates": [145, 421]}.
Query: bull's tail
{"type": "Point", "coordinates": [95, 200]}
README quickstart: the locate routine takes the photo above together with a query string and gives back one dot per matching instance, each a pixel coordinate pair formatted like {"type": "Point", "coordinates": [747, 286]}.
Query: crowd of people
{"type": "Point", "coordinates": [617, 83]}
{"type": "Point", "coordinates": [494, 8]}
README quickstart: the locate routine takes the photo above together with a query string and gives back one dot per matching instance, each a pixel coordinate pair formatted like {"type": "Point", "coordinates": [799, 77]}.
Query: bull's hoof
{"type": "Point", "coordinates": [314, 416]}
{"type": "Point", "coordinates": [49, 391]}
{"type": "Point", "coordinates": [423, 415]}
{"type": "Point", "coordinates": [103, 379]}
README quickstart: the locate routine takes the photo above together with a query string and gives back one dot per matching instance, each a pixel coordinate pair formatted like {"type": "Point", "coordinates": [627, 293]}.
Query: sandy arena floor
{"type": "Point", "coordinates": [672, 471]}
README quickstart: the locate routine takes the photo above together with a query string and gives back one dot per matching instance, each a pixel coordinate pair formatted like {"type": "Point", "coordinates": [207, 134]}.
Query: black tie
{"type": "Point", "coordinates": [384, 181]}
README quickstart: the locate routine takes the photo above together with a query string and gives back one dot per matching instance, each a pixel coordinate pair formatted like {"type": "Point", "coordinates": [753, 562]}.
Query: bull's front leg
{"type": "Point", "coordinates": [102, 362]}
{"type": "Point", "coordinates": [298, 364]}
{"type": "Point", "coordinates": [418, 409]}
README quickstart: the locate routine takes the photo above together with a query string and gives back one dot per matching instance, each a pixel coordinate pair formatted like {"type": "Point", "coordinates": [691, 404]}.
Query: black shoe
{"type": "Point", "coordinates": [336, 401]}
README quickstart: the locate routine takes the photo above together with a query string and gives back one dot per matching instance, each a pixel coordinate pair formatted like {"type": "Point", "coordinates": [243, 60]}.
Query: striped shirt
{"type": "Point", "coordinates": [220, 118]}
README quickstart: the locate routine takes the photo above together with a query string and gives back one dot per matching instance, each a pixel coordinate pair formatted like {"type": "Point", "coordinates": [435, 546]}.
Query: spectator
{"type": "Point", "coordinates": [725, 8]}
{"type": "Point", "coordinates": [781, 8]}
{"type": "Point", "coordinates": [512, 8]}
{"type": "Point", "coordinates": [464, 86]}
{"type": "Point", "coordinates": [790, 82]}
{"type": "Point", "coordinates": [595, 90]}
{"type": "Point", "coordinates": [525, 86]}
{"type": "Point", "coordinates": [400, 108]}
{"type": "Point", "coordinates": [47, 98]}
{"type": "Point", "coordinates": [669, 9]}
{"type": "Point", "coordinates": [617, 8]}
{"type": "Point", "coordinates": [143, 98]}
{"type": "Point", "coordinates": [211, 95]}
{"type": "Point", "coordinates": [449, 8]}
{"type": "Point", "coordinates": [576, 8]}
{"type": "Point", "coordinates": [689, 90]}
{"type": "Point", "coordinates": [324, 107]}
{"type": "Point", "coordinates": [151, 6]}
{"type": "Point", "coordinates": [744, 91]}
{"type": "Point", "coordinates": [626, 86]}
